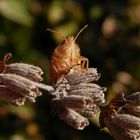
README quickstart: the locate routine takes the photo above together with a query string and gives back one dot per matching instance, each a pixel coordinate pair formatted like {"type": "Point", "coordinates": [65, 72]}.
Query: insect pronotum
{"type": "Point", "coordinates": [66, 57]}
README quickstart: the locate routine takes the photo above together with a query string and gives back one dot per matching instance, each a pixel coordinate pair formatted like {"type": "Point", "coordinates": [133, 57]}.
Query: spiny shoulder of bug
{"type": "Point", "coordinates": [69, 42]}
{"type": "Point", "coordinates": [68, 47]}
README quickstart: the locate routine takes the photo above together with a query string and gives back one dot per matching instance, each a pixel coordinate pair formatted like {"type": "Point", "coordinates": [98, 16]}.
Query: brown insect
{"type": "Point", "coordinates": [3, 62]}
{"type": "Point", "coordinates": [66, 57]}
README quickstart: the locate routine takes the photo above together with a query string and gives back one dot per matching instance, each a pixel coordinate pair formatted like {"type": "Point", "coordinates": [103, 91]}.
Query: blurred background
{"type": "Point", "coordinates": [111, 43]}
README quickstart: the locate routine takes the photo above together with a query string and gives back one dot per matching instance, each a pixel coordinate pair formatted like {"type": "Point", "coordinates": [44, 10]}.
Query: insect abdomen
{"type": "Point", "coordinates": [58, 67]}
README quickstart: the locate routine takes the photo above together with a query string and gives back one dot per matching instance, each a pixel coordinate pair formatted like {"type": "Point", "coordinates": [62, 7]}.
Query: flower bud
{"type": "Point", "coordinates": [73, 118]}
{"type": "Point", "coordinates": [26, 70]}
{"type": "Point", "coordinates": [122, 117]}
{"type": "Point", "coordinates": [83, 76]}
{"type": "Point", "coordinates": [127, 121]}
{"type": "Point", "coordinates": [76, 102]}
{"type": "Point", "coordinates": [20, 85]}
{"type": "Point", "coordinates": [77, 97]}
{"type": "Point", "coordinates": [11, 97]}
{"type": "Point", "coordinates": [94, 91]}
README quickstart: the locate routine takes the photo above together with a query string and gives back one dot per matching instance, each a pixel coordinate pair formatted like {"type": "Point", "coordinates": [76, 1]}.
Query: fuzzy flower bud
{"type": "Point", "coordinates": [26, 70]}
{"type": "Point", "coordinates": [75, 98]}
{"type": "Point", "coordinates": [21, 85]}
{"type": "Point", "coordinates": [19, 82]}
{"type": "Point", "coordinates": [84, 76]}
{"type": "Point", "coordinates": [73, 118]}
{"type": "Point", "coordinates": [76, 102]}
{"type": "Point", "coordinates": [122, 117]}
{"type": "Point", "coordinates": [94, 91]}
{"type": "Point", "coordinates": [11, 97]}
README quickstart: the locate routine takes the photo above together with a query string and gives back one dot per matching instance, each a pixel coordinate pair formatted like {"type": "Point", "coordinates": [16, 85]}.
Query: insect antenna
{"type": "Point", "coordinates": [80, 32]}
{"type": "Point", "coordinates": [57, 34]}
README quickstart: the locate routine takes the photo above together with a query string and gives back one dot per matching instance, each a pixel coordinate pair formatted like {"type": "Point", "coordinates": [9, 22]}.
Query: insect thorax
{"type": "Point", "coordinates": [68, 48]}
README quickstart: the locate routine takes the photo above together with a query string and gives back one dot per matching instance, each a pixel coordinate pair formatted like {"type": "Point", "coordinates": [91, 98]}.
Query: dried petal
{"type": "Point", "coordinates": [72, 118]}
{"type": "Point", "coordinates": [26, 70]}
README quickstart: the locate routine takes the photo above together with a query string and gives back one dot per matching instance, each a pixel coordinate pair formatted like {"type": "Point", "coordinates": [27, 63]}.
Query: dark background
{"type": "Point", "coordinates": [111, 43]}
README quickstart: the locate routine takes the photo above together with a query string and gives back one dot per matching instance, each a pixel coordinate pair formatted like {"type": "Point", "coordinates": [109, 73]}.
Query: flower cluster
{"type": "Point", "coordinates": [122, 117]}
{"type": "Point", "coordinates": [76, 98]}
{"type": "Point", "coordinates": [19, 82]}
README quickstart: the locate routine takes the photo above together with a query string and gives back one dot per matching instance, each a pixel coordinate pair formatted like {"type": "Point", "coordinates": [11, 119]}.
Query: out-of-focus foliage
{"type": "Point", "coordinates": [111, 42]}
{"type": "Point", "coordinates": [16, 11]}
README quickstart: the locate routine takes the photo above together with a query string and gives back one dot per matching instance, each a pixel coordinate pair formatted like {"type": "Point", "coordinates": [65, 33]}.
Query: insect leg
{"type": "Point", "coordinates": [62, 69]}
{"type": "Point", "coordinates": [87, 63]}
{"type": "Point", "coordinates": [84, 62]}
